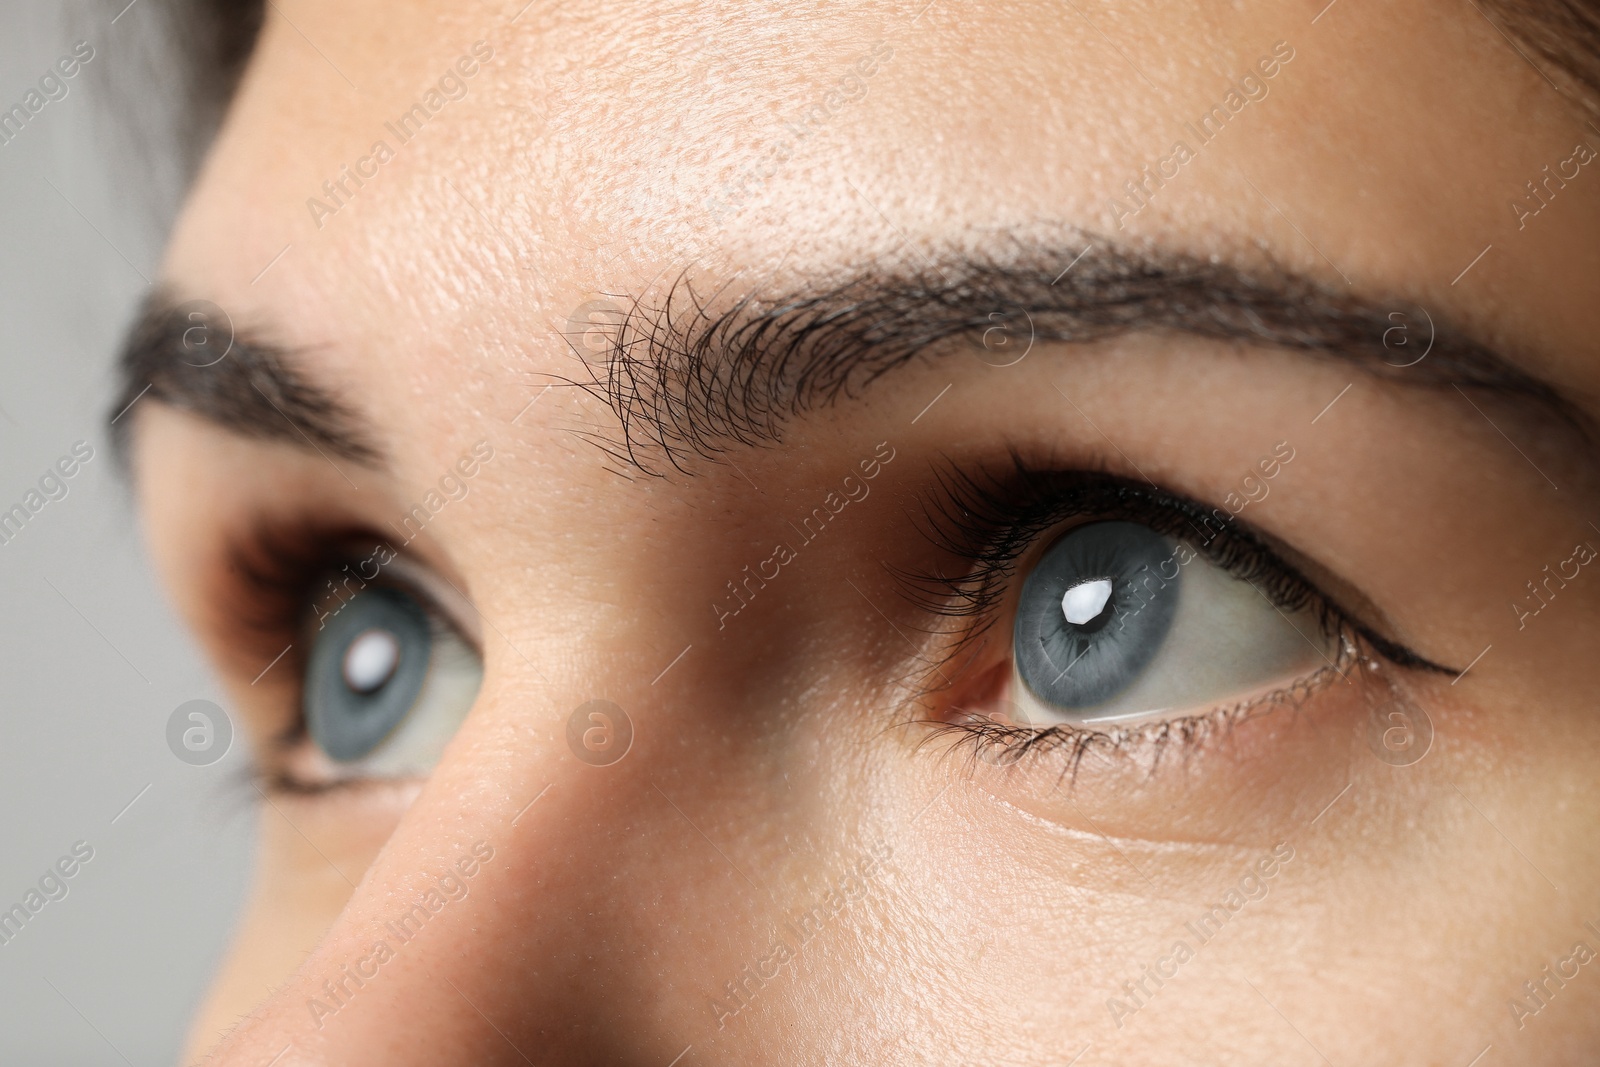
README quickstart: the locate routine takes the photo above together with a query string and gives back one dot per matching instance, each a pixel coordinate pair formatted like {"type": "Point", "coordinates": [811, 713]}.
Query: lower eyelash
{"type": "Point", "coordinates": [1006, 744]}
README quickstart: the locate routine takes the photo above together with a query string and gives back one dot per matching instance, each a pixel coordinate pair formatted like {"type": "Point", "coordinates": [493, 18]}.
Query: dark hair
{"type": "Point", "coordinates": [178, 64]}
{"type": "Point", "coordinates": [220, 36]}
{"type": "Point", "coordinates": [1564, 38]}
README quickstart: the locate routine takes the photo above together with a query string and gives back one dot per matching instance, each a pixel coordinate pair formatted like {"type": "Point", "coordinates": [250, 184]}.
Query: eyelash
{"type": "Point", "coordinates": [278, 568]}
{"type": "Point", "coordinates": [988, 518]}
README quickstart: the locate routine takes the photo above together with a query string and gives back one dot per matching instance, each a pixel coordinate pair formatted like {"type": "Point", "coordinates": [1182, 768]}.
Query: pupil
{"type": "Point", "coordinates": [1084, 602]}
{"type": "Point", "coordinates": [370, 661]}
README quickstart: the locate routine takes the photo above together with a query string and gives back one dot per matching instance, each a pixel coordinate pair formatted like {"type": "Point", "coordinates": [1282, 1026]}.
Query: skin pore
{"type": "Point", "coordinates": [821, 768]}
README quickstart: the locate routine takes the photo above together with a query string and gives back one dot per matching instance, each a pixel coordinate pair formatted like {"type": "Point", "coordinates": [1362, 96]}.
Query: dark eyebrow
{"type": "Point", "coordinates": [685, 379]}
{"type": "Point", "coordinates": [188, 355]}
{"type": "Point", "coordinates": [691, 375]}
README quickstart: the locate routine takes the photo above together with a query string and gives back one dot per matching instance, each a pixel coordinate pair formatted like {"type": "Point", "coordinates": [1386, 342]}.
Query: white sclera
{"type": "Point", "coordinates": [1086, 600]}
{"type": "Point", "coordinates": [370, 661]}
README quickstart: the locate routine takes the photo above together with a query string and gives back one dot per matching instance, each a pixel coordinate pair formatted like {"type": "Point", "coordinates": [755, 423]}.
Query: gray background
{"type": "Point", "coordinates": [93, 667]}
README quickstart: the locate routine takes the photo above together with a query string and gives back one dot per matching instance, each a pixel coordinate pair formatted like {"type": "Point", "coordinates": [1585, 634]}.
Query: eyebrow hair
{"type": "Point", "coordinates": [686, 380]}
{"type": "Point", "coordinates": [252, 388]}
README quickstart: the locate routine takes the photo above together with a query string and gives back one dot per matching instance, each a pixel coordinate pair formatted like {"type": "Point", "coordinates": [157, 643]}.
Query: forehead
{"type": "Point", "coordinates": [438, 187]}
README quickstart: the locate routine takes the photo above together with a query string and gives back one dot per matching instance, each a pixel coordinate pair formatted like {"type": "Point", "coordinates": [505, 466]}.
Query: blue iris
{"type": "Point", "coordinates": [365, 670]}
{"type": "Point", "coordinates": [1094, 613]}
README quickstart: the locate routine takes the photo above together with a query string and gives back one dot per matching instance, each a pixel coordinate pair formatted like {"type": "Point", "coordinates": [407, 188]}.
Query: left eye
{"type": "Point", "coordinates": [386, 683]}
{"type": "Point", "coordinates": [1118, 623]}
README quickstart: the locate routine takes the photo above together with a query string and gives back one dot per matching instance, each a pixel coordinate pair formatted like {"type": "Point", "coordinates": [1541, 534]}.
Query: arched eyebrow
{"type": "Point", "coordinates": [188, 355]}
{"type": "Point", "coordinates": [692, 375]}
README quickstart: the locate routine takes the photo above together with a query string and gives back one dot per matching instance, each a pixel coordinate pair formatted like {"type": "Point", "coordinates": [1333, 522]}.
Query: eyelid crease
{"type": "Point", "coordinates": [281, 560]}
{"type": "Point", "coordinates": [444, 600]}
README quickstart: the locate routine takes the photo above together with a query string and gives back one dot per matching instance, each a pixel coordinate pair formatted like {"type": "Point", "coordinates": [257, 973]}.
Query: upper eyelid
{"type": "Point", "coordinates": [289, 559]}
{"type": "Point", "coordinates": [443, 599]}
{"type": "Point", "coordinates": [977, 591]}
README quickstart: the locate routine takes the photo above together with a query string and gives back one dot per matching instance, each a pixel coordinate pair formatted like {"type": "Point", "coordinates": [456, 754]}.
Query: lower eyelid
{"type": "Point", "coordinates": [288, 782]}
{"type": "Point", "coordinates": [1063, 747]}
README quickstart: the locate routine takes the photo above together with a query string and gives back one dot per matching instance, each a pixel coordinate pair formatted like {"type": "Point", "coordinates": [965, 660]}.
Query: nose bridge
{"type": "Point", "coordinates": [517, 903]}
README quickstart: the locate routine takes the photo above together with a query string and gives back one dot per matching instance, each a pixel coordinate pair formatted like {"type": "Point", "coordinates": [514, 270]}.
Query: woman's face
{"type": "Point", "coordinates": [896, 533]}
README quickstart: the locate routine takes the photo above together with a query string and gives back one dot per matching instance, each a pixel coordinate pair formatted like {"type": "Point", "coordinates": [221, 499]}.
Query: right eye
{"type": "Point", "coordinates": [387, 682]}
{"type": "Point", "coordinates": [1118, 622]}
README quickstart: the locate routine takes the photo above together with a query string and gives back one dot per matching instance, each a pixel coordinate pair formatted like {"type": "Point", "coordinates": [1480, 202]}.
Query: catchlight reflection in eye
{"type": "Point", "coordinates": [1118, 623]}
{"type": "Point", "coordinates": [387, 683]}
{"type": "Point", "coordinates": [371, 660]}
{"type": "Point", "coordinates": [1086, 601]}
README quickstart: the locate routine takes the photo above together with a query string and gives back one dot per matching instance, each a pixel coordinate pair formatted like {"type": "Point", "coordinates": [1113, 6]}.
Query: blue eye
{"type": "Point", "coordinates": [386, 682]}
{"type": "Point", "coordinates": [1118, 623]}
{"type": "Point", "coordinates": [1094, 613]}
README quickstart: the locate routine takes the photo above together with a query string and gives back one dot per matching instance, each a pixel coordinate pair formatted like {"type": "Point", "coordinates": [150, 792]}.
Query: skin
{"type": "Point", "coordinates": [1009, 904]}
